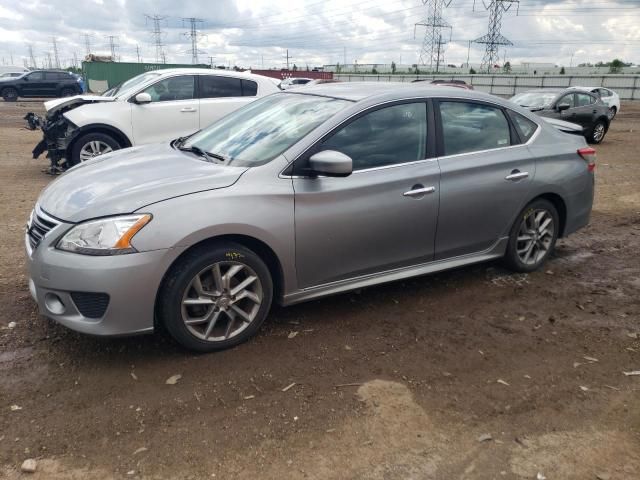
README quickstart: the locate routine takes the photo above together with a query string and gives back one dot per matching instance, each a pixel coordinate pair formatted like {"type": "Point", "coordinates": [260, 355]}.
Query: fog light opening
{"type": "Point", "coordinates": [54, 304]}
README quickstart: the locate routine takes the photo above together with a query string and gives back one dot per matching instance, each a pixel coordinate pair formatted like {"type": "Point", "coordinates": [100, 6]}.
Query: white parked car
{"type": "Point", "coordinates": [156, 106]}
{"type": "Point", "coordinates": [292, 82]}
{"type": "Point", "coordinates": [611, 98]}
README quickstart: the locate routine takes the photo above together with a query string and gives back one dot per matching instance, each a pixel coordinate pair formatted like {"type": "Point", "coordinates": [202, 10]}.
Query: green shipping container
{"type": "Point", "coordinates": [114, 73]}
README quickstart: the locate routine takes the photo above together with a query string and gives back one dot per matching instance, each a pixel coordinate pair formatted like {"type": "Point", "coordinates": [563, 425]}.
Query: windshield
{"type": "Point", "coordinates": [534, 99]}
{"type": "Point", "coordinates": [264, 129]}
{"type": "Point", "coordinates": [131, 83]}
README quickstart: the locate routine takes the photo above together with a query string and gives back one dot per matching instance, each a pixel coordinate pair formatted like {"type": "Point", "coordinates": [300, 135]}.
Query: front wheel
{"type": "Point", "coordinates": [10, 94]}
{"type": "Point", "coordinates": [91, 145]}
{"type": "Point", "coordinates": [597, 133]}
{"type": "Point", "coordinates": [533, 236]}
{"type": "Point", "coordinates": [216, 297]}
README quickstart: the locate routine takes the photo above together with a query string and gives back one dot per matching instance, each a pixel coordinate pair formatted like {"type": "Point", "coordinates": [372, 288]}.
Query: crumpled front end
{"type": "Point", "coordinates": [58, 133]}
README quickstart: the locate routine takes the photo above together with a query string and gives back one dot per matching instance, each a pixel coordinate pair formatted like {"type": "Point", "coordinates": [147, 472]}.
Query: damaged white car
{"type": "Point", "coordinates": [156, 106]}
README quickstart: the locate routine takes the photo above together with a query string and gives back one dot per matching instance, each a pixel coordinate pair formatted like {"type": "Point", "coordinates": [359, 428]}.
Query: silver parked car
{"type": "Point", "coordinates": [300, 195]}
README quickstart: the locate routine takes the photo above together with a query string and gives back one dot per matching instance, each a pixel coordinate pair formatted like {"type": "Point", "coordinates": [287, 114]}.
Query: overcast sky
{"type": "Point", "coordinates": [316, 32]}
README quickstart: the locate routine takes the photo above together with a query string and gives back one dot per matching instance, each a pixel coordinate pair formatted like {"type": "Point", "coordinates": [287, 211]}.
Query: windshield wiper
{"type": "Point", "coordinates": [208, 155]}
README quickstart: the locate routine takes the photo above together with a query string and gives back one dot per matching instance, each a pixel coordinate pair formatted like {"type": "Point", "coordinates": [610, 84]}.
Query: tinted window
{"type": "Point", "coordinates": [390, 135]}
{"type": "Point", "coordinates": [525, 127]}
{"type": "Point", "coordinates": [568, 99]}
{"type": "Point", "coordinates": [584, 99]}
{"type": "Point", "coordinates": [56, 76]}
{"type": "Point", "coordinates": [174, 88]}
{"type": "Point", "coordinates": [35, 76]}
{"type": "Point", "coordinates": [470, 127]}
{"type": "Point", "coordinates": [213, 86]}
{"type": "Point", "coordinates": [249, 88]}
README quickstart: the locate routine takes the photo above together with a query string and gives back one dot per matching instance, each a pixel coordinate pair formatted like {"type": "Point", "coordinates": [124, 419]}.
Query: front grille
{"type": "Point", "coordinates": [91, 305]}
{"type": "Point", "coordinates": [41, 224]}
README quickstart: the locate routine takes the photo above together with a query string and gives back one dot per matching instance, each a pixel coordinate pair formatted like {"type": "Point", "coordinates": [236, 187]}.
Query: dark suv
{"type": "Point", "coordinates": [40, 83]}
{"type": "Point", "coordinates": [571, 105]}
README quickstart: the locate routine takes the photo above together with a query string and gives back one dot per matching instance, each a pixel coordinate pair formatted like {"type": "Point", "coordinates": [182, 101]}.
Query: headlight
{"type": "Point", "coordinates": [107, 236]}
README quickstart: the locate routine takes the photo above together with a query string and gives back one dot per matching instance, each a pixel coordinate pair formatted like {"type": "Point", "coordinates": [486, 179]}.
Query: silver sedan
{"type": "Point", "coordinates": [300, 195]}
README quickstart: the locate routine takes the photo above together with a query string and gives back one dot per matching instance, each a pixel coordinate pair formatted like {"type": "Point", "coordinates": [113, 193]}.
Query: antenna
{"type": "Point", "coordinates": [113, 46]}
{"type": "Point", "coordinates": [195, 35]}
{"type": "Point", "coordinates": [432, 52]}
{"type": "Point", "coordinates": [493, 39]}
{"type": "Point", "coordinates": [158, 36]}
{"type": "Point", "coordinates": [55, 53]}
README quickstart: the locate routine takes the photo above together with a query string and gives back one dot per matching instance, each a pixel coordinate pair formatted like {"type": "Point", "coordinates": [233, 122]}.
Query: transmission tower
{"type": "Point", "coordinates": [138, 53]}
{"type": "Point", "coordinates": [158, 36]}
{"type": "Point", "coordinates": [49, 65]}
{"type": "Point", "coordinates": [113, 46]}
{"type": "Point", "coordinates": [32, 59]}
{"type": "Point", "coordinates": [87, 43]}
{"type": "Point", "coordinates": [432, 51]}
{"type": "Point", "coordinates": [493, 39]}
{"type": "Point", "coordinates": [55, 52]}
{"type": "Point", "coordinates": [195, 35]}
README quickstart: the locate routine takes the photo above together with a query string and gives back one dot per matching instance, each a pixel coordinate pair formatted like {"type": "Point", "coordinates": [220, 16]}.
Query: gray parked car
{"type": "Point", "coordinates": [300, 195]}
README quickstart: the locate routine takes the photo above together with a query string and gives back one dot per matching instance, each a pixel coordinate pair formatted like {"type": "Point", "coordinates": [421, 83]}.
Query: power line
{"type": "Point", "coordinates": [431, 50]}
{"type": "Point", "coordinates": [494, 39]}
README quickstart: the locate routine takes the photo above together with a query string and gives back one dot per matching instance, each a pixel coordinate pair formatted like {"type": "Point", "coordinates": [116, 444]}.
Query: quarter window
{"type": "Point", "coordinates": [387, 136]}
{"type": "Point", "coordinates": [212, 86]}
{"type": "Point", "coordinates": [525, 127]}
{"type": "Point", "coordinates": [249, 88]}
{"type": "Point", "coordinates": [471, 127]}
{"type": "Point", "coordinates": [174, 88]}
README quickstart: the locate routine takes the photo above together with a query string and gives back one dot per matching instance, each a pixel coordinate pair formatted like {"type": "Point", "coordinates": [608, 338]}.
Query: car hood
{"type": "Point", "coordinates": [563, 126]}
{"type": "Point", "coordinates": [127, 180]}
{"type": "Point", "coordinates": [53, 106]}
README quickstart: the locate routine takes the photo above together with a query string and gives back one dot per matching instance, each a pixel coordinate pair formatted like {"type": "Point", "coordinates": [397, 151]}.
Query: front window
{"type": "Point", "coordinates": [585, 99]}
{"type": "Point", "coordinates": [568, 100]}
{"type": "Point", "coordinates": [172, 88]}
{"type": "Point", "coordinates": [534, 99]}
{"type": "Point", "coordinates": [35, 76]}
{"type": "Point", "coordinates": [133, 83]}
{"type": "Point", "coordinates": [264, 129]}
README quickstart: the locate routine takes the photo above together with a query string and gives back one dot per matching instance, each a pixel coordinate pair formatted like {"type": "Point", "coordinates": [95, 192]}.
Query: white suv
{"type": "Point", "coordinates": [156, 106]}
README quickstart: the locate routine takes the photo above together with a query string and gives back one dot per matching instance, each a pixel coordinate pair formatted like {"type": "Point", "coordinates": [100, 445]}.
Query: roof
{"type": "Point", "coordinates": [216, 71]}
{"type": "Point", "coordinates": [356, 91]}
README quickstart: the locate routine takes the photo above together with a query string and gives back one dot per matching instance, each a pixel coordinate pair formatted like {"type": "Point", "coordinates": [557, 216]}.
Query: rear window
{"type": "Point", "coordinates": [525, 127]}
{"type": "Point", "coordinates": [249, 88]}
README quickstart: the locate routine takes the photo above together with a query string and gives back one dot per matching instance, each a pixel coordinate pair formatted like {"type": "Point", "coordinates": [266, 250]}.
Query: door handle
{"type": "Point", "coordinates": [516, 175]}
{"type": "Point", "coordinates": [188, 109]}
{"type": "Point", "coordinates": [418, 191]}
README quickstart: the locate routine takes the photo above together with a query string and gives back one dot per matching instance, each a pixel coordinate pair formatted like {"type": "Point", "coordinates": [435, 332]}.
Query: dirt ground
{"type": "Point", "coordinates": [401, 381]}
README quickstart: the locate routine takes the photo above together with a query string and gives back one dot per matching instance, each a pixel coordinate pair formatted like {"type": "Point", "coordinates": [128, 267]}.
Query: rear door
{"type": "Point", "coordinates": [585, 110]}
{"type": "Point", "coordinates": [381, 217]}
{"type": "Point", "coordinates": [172, 113]}
{"type": "Point", "coordinates": [486, 173]}
{"type": "Point", "coordinates": [221, 95]}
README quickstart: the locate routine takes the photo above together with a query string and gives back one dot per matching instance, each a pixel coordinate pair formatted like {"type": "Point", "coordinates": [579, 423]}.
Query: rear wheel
{"type": "Point", "coordinates": [612, 112]}
{"type": "Point", "coordinates": [9, 94]}
{"type": "Point", "coordinates": [533, 236]}
{"type": "Point", "coordinates": [67, 92]}
{"type": "Point", "coordinates": [91, 145]}
{"type": "Point", "coordinates": [597, 133]}
{"type": "Point", "coordinates": [215, 297]}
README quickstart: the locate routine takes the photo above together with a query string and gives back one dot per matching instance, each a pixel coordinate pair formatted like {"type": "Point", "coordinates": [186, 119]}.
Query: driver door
{"type": "Point", "coordinates": [381, 217]}
{"type": "Point", "coordinates": [172, 113]}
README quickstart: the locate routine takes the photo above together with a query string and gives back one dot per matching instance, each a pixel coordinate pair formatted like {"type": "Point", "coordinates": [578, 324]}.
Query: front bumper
{"type": "Point", "coordinates": [130, 282]}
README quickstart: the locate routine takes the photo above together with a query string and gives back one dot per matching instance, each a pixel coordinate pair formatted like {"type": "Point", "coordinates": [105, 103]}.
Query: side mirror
{"type": "Point", "coordinates": [563, 106]}
{"type": "Point", "coordinates": [331, 163]}
{"type": "Point", "coordinates": [143, 97]}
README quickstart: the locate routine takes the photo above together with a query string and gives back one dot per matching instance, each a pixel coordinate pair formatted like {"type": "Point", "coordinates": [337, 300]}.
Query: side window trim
{"type": "Point", "coordinates": [296, 168]}
{"type": "Point", "coordinates": [439, 140]}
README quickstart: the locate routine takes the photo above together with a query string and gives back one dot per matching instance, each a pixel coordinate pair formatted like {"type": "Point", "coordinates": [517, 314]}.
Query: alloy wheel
{"type": "Point", "coordinates": [611, 113]}
{"type": "Point", "coordinates": [93, 149]}
{"type": "Point", "coordinates": [598, 132]}
{"type": "Point", "coordinates": [535, 236]}
{"type": "Point", "coordinates": [221, 301]}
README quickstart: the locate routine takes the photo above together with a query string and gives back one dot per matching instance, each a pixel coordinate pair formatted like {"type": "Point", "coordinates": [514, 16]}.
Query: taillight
{"type": "Point", "coordinates": [589, 156]}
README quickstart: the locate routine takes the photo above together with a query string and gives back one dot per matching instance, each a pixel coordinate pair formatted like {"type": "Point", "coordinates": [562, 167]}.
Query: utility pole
{"type": "Point", "coordinates": [439, 51]}
{"type": "Point", "coordinates": [431, 50]}
{"type": "Point", "coordinates": [112, 46]}
{"type": "Point", "coordinates": [75, 60]}
{"type": "Point", "coordinates": [49, 65]}
{"type": "Point", "coordinates": [55, 52]}
{"type": "Point", "coordinates": [288, 58]}
{"type": "Point", "coordinates": [138, 53]}
{"type": "Point", "coordinates": [158, 35]}
{"type": "Point", "coordinates": [493, 39]}
{"type": "Point", "coordinates": [344, 55]}
{"type": "Point", "coordinates": [194, 34]}
{"type": "Point", "coordinates": [468, 52]}
{"type": "Point", "coordinates": [211, 61]}
{"type": "Point", "coordinates": [31, 57]}
{"type": "Point", "coordinates": [87, 43]}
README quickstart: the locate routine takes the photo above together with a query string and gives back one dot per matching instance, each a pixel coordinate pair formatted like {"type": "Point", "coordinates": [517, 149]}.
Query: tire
{"type": "Point", "coordinates": [612, 113]}
{"type": "Point", "coordinates": [597, 133]}
{"type": "Point", "coordinates": [179, 286]}
{"type": "Point", "coordinates": [10, 94]}
{"type": "Point", "coordinates": [91, 142]}
{"type": "Point", "coordinates": [516, 257]}
{"type": "Point", "coordinates": [67, 92]}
